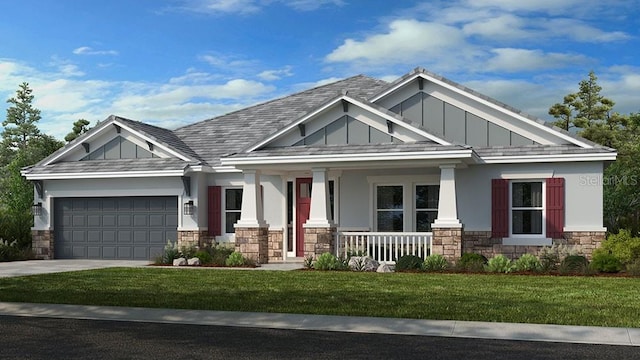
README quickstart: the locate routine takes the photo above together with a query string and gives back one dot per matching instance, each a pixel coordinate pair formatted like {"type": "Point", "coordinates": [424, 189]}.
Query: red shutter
{"type": "Point", "coordinates": [215, 210]}
{"type": "Point", "coordinates": [555, 207]}
{"type": "Point", "coordinates": [499, 208]}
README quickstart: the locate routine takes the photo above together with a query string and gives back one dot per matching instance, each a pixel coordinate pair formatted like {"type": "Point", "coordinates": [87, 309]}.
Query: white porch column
{"type": "Point", "coordinates": [251, 215]}
{"type": "Point", "coordinates": [320, 212]}
{"type": "Point", "coordinates": [447, 203]}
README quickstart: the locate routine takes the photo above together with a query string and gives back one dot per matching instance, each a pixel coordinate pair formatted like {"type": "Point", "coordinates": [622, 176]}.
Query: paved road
{"type": "Point", "coordinates": [43, 338]}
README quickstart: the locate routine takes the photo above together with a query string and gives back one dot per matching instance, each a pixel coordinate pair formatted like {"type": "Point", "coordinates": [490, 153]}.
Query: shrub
{"type": "Point", "coordinates": [235, 259]}
{"type": "Point", "coordinates": [220, 253]}
{"type": "Point", "coordinates": [633, 269]}
{"type": "Point", "coordinates": [499, 264]}
{"type": "Point", "coordinates": [435, 262]}
{"type": "Point", "coordinates": [204, 256]}
{"type": "Point", "coordinates": [605, 262]}
{"type": "Point", "coordinates": [574, 264]}
{"type": "Point", "coordinates": [187, 252]}
{"type": "Point", "coordinates": [551, 257]}
{"type": "Point", "coordinates": [169, 253]}
{"type": "Point", "coordinates": [408, 263]}
{"type": "Point", "coordinates": [327, 261]}
{"type": "Point", "coordinates": [308, 262]}
{"type": "Point", "coordinates": [10, 251]}
{"type": "Point", "coordinates": [623, 246]}
{"type": "Point", "coordinates": [527, 262]}
{"type": "Point", "coordinates": [471, 262]}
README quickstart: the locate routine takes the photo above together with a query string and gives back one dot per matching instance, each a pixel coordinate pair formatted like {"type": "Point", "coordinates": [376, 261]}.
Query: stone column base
{"type": "Point", "coordinates": [585, 241]}
{"type": "Point", "coordinates": [42, 244]}
{"type": "Point", "coordinates": [253, 243]}
{"type": "Point", "coordinates": [275, 245]}
{"type": "Point", "coordinates": [318, 241]}
{"type": "Point", "coordinates": [196, 238]}
{"type": "Point", "coordinates": [447, 242]}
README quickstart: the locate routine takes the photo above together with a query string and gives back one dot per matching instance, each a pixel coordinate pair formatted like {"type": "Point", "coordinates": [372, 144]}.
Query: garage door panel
{"type": "Point", "coordinates": [114, 228]}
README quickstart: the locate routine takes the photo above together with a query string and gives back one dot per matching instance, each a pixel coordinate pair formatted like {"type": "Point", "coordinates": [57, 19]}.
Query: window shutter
{"type": "Point", "coordinates": [555, 207]}
{"type": "Point", "coordinates": [215, 210]}
{"type": "Point", "coordinates": [499, 208]}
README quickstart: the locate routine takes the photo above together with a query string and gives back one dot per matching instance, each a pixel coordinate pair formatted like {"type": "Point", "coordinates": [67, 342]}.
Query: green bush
{"type": "Point", "coordinates": [605, 262]}
{"type": "Point", "coordinates": [575, 264]}
{"type": "Point", "coordinates": [204, 256]}
{"type": "Point", "coordinates": [9, 251]}
{"type": "Point", "coordinates": [633, 269]}
{"type": "Point", "coordinates": [187, 252]}
{"type": "Point", "coordinates": [409, 263]}
{"type": "Point", "coordinates": [327, 261]}
{"type": "Point", "coordinates": [527, 262]}
{"type": "Point", "coordinates": [499, 264]}
{"type": "Point", "coordinates": [551, 257]}
{"type": "Point", "coordinates": [435, 262]}
{"type": "Point", "coordinates": [623, 246]}
{"type": "Point", "coordinates": [235, 259]}
{"type": "Point", "coordinates": [169, 253]}
{"type": "Point", "coordinates": [471, 262]}
{"type": "Point", "coordinates": [220, 253]}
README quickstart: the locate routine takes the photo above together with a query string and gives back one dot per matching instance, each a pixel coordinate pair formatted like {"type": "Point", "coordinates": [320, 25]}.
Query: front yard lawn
{"type": "Point", "coordinates": [599, 301]}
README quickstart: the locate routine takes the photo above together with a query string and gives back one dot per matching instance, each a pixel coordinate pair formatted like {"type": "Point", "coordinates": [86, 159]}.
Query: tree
{"type": "Point", "coordinates": [584, 109]}
{"type": "Point", "coordinates": [79, 127]}
{"type": "Point", "coordinates": [20, 125]}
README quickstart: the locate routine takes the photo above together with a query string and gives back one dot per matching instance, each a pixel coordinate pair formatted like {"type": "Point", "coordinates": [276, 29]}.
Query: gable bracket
{"type": "Point", "coordinates": [150, 145]}
{"type": "Point", "coordinates": [390, 126]}
{"type": "Point", "coordinates": [421, 83]}
{"type": "Point", "coordinates": [345, 105]}
{"type": "Point", "coordinates": [186, 182]}
{"type": "Point", "coordinates": [39, 185]}
{"type": "Point", "coordinates": [118, 128]}
{"type": "Point", "coordinates": [302, 129]}
{"type": "Point", "coordinates": [86, 147]}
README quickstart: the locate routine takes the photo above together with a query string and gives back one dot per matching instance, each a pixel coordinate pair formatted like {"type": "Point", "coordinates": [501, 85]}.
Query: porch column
{"type": "Point", "coordinates": [447, 229]}
{"type": "Point", "coordinates": [319, 230]}
{"type": "Point", "coordinates": [252, 232]}
{"type": "Point", "coordinates": [251, 214]}
{"type": "Point", "coordinates": [447, 203]}
{"type": "Point", "coordinates": [320, 212]}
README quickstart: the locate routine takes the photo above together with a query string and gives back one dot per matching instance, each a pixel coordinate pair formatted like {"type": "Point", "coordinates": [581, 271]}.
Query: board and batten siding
{"type": "Point", "coordinates": [455, 124]}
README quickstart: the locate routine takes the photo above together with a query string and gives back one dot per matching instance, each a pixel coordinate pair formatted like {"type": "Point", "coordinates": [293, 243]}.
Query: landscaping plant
{"type": "Point", "coordinates": [409, 263]}
{"type": "Point", "coordinates": [527, 262]}
{"type": "Point", "coordinates": [605, 262]}
{"type": "Point", "coordinates": [435, 262]}
{"type": "Point", "coordinates": [328, 261]}
{"type": "Point", "coordinates": [235, 259]}
{"type": "Point", "coordinates": [471, 262]}
{"type": "Point", "coordinates": [574, 264]}
{"type": "Point", "coordinates": [623, 246]}
{"type": "Point", "coordinates": [499, 264]}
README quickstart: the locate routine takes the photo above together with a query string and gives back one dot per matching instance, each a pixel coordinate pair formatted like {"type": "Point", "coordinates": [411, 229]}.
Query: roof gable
{"type": "Point", "coordinates": [471, 112]}
{"type": "Point", "coordinates": [156, 141]}
{"type": "Point", "coordinates": [367, 118]}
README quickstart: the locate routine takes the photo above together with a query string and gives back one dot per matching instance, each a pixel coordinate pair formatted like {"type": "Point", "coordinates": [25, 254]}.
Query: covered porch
{"type": "Point", "coordinates": [384, 205]}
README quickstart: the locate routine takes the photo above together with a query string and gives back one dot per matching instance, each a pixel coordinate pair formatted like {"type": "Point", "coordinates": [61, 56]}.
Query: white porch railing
{"type": "Point", "coordinates": [383, 246]}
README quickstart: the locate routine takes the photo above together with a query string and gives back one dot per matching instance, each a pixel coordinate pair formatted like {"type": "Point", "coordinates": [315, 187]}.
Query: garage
{"type": "Point", "coordinates": [123, 228]}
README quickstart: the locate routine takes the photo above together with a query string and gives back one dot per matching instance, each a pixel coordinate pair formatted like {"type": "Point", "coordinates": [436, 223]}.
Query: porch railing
{"type": "Point", "coordinates": [383, 246]}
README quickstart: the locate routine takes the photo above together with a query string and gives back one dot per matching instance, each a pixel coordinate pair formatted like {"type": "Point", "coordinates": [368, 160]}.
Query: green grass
{"type": "Point", "coordinates": [599, 301]}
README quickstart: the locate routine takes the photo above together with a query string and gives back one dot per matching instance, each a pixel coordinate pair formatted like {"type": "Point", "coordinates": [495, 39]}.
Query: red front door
{"type": "Point", "coordinates": [303, 206]}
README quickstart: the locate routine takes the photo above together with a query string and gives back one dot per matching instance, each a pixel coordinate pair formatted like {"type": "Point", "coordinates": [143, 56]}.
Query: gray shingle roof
{"type": "Point", "coordinates": [540, 150]}
{"type": "Point", "coordinates": [232, 132]}
{"type": "Point", "coordinates": [115, 165]}
{"type": "Point", "coordinates": [307, 150]}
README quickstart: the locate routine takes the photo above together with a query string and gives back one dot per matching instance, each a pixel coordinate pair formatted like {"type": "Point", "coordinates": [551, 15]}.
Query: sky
{"type": "Point", "coordinates": [174, 62]}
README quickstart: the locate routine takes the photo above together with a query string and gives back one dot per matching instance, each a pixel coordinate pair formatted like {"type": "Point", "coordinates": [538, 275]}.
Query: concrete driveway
{"type": "Point", "coordinates": [34, 267]}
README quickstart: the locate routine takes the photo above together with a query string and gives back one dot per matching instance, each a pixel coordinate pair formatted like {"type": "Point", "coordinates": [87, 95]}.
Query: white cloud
{"type": "Point", "coordinates": [310, 5]}
{"type": "Point", "coordinates": [579, 31]}
{"type": "Point", "coordinates": [246, 7]}
{"type": "Point", "coordinates": [525, 60]}
{"type": "Point", "coordinates": [548, 6]}
{"type": "Point", "coordinates": [403, 42]}
{"type": "Point", "coordinates": [505, 26]}
{"type": "Point", "coordinates": [273, 75]}
{"type": "Point", "coordinates": [86, 50]}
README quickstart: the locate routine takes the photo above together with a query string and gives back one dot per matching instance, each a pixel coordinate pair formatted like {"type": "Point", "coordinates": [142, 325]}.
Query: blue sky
{"type": "Point", "coordinates": [174, 62]}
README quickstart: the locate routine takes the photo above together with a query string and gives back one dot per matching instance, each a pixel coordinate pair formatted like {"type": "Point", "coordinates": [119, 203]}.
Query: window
{"type": "Point", "coordinates": [426, 197]}
{"type": "Point", "coordinates": [232, 208]}
{"type": "Point", "coordinates": [527, 208]}
{"type": "Point", "coordinates": [420, 202]}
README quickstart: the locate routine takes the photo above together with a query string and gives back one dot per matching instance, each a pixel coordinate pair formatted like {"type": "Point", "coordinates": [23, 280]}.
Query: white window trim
{"type": "Point", "coordinates": [408, 197]}
{"type": "Point", "coordinates": [225, 236]}
{"type": "Point", "coordinates": [528, 239]}
{"type": "Point", "coordinates": [415, 206]}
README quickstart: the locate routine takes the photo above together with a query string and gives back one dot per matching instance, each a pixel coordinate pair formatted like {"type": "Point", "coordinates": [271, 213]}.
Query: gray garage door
{"type": "Point", "coordinates": [134, 228]}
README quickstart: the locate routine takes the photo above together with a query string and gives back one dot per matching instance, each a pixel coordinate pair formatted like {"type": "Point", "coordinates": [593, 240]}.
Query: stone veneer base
{"type": "Point", "coordinates": [253, 243]}
{"type": "Point", "coordinates": [318, 241]}
{"type": "Point", "coordinates": [197, 238]}
{"type": "Point", "coordinates": [447, 242]}
{"type": "Point", "coordinates": [275, 245]}
{"type": "Point", "coordinates": [42, 244]}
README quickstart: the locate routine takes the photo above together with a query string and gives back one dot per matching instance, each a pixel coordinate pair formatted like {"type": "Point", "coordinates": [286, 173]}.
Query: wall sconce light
{"type": "Point", "coordinates": [188, 207]}
{"type": "Point", "coordinates": [36, 209]}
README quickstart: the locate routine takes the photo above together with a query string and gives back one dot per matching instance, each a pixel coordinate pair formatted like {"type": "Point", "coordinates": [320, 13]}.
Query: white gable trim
{"type": "Point", "coordinates": [101, 128]}
{"type": "Point", "coordinates": [487, 103]}
{"type": "Point", "coordinates": [104, 175]}
{"type": "Point", "coordinates": [361, 105]}
{"type": "Point", "coordinates": [547, 158]}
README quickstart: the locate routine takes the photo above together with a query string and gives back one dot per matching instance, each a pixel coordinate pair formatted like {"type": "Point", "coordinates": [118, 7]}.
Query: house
{"type": "Point", "coordinates": [356, 160]}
